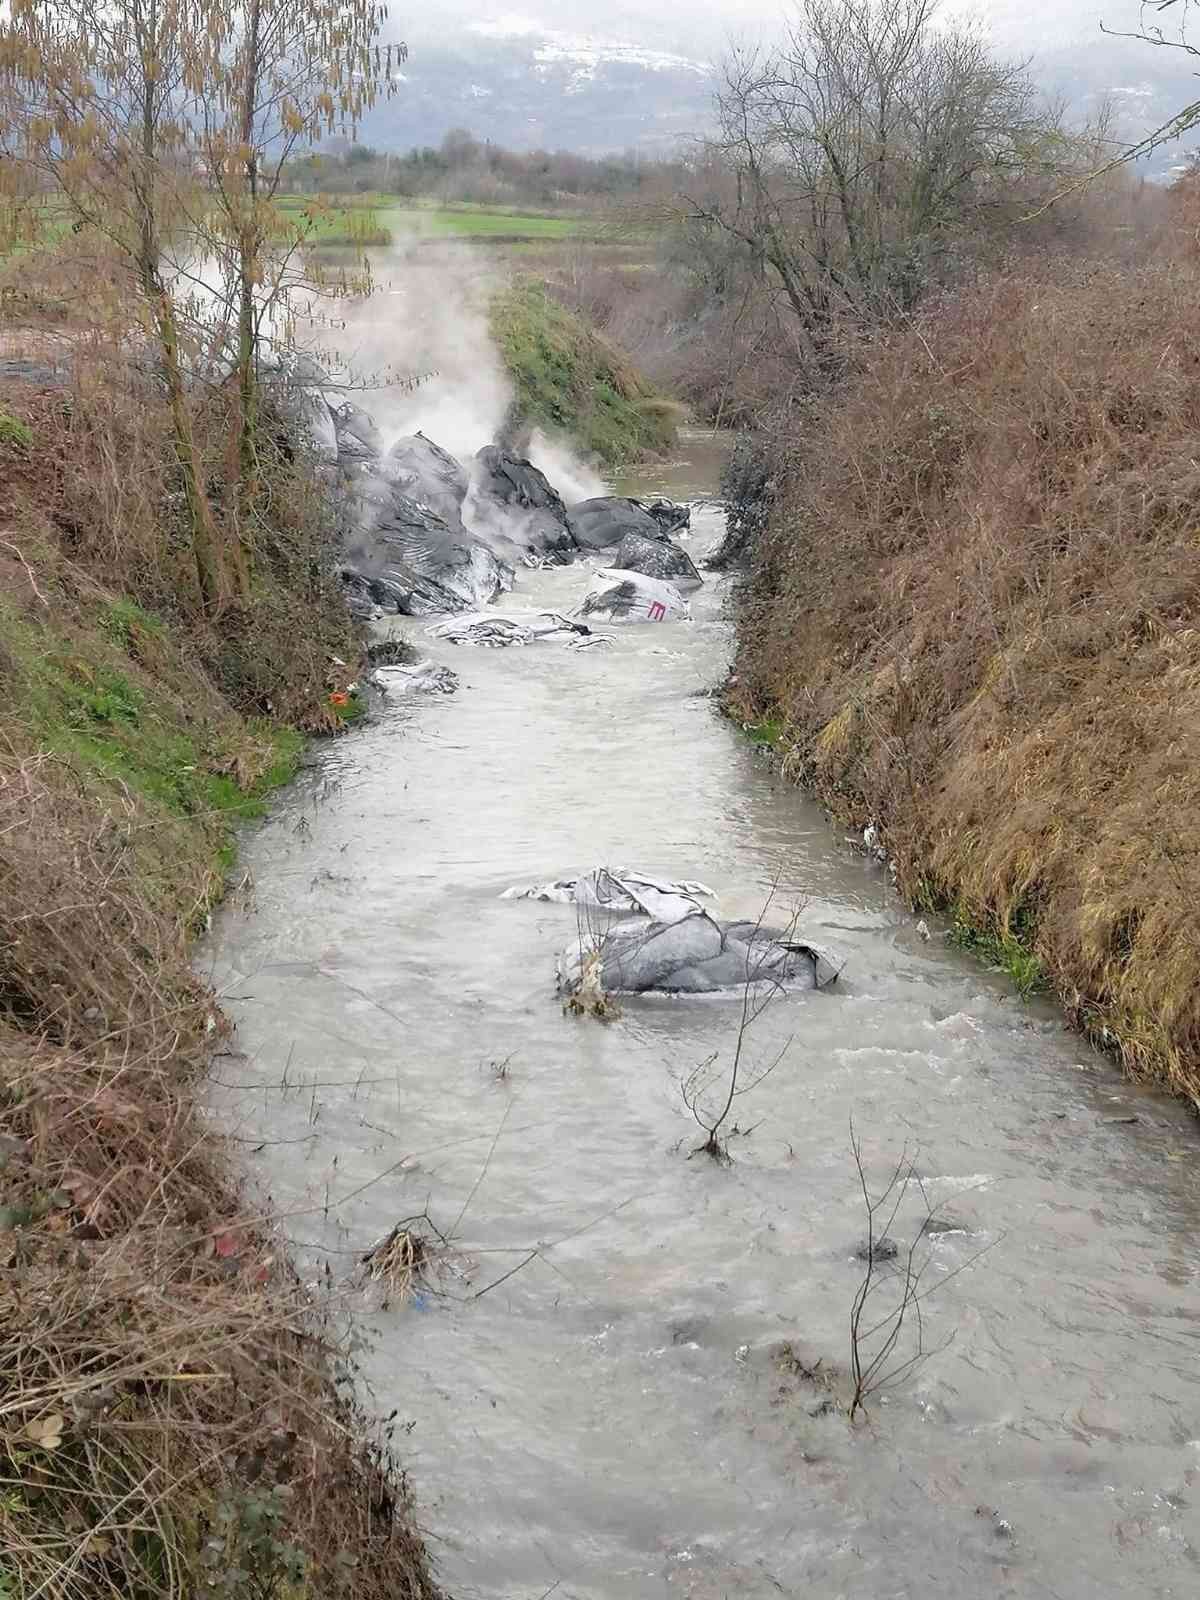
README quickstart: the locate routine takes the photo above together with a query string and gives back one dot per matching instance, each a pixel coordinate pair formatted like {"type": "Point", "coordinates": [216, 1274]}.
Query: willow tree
{"type": "Point", "coordinates": [275, 77]}
{"type": "Point", "coordinates": [95, 108]}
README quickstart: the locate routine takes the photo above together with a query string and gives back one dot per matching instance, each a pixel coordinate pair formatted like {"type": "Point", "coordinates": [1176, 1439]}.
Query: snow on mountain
{"type": "Point", "coordinates": [519, 83]}
{"type": "Point", "coordinates": [525, 83]}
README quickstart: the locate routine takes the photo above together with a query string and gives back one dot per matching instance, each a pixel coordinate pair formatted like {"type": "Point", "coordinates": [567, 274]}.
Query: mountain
{"type": "Point", "coordinates": [1145, 86]}
{"type": "Point", "coordinates": [526, 87]}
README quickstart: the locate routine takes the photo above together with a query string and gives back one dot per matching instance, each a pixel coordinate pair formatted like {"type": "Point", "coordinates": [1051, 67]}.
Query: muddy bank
{"type": "Point", "coordinates": [971, 625]}
{"type": "Point", "coordinates": [631, 1412]}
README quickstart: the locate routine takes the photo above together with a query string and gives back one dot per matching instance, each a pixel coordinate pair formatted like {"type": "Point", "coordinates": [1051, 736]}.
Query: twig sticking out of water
{"type": "Point", "coordinates": [589, 999]}
{"type": "Point", "coordinates": [758, 991]}
{"type": "Point", "coordinates": [887, 1327]}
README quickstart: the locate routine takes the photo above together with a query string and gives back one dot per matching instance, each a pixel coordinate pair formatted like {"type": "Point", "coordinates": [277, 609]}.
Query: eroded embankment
{"type": "Point", "coordinates": [973, 619]}
{"type": "Point", "coordinates": [172, 1410]}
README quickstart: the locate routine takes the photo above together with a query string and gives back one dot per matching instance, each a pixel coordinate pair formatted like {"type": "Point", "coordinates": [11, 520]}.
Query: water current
{"type": "Point", "coordinates": [620, 1416]}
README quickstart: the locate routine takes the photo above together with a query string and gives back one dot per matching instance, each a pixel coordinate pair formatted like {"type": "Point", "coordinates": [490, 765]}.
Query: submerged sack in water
{"type": "Point", "coordinates": [664, 899]}
{"type": "Point", "coordinates": [632, 597]}
{"type": "Point", "coordinates": [696, 955]}
{"type": "Point", "coordinates": [658, 558]}
{"type": "Point", "coordinates": [495, 630]}
{"type": "Point", "coordinates": [421, 677]}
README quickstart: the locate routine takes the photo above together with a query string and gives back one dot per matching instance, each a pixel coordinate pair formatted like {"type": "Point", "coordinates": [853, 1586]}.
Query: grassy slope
{"type": "Point", "coordinates": [103, 687]}
{"type": "Point", "coordinates": [158, 1341]}
{"type": "Point", "coordinates": [568, 379]}
{"type": "Point", "coordinates": [976, 615]}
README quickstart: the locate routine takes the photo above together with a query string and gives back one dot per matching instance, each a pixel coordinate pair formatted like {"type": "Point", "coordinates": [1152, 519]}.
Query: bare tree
{"type": "Point", "coordinates": [858, 148]}
{"type": "Point", "coordinates": [290, 73]}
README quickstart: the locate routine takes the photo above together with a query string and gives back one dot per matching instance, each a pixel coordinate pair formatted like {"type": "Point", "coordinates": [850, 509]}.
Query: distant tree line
{"type": "Point", "coordinates": [464, 168]}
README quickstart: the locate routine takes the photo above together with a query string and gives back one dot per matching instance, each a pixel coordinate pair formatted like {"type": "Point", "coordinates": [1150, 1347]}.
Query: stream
{"type": "Point", "coordinates": [601, 1391]}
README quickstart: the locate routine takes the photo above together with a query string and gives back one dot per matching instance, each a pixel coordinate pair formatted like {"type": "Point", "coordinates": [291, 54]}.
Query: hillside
{"type": "Point", "coordinates": [544, 88]}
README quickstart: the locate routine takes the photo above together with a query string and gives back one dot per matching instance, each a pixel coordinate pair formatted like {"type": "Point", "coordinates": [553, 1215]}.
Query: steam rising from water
{"type": "Point", "coordinates": [570, 475]}
{"type": "Point", "coordinates": [423, 347]}
{"type": "Point", "coordinates": [423, 338]}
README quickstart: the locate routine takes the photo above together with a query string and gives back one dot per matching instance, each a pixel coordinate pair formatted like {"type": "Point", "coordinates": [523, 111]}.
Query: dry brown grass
{"type": "Point", "coordinates": [977, 612]}
{"type": "Point", "coordinates": [101, 483]}
{"type": "Point", "coordinates": [174, 1416]}
{"type": "Point", "coordinates": [159, 1363]}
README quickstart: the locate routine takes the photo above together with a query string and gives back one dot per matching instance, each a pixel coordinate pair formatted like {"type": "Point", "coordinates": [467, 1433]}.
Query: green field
{"type": "Point", "coordinates": [39, 225]}
{"type": "Point", "coordinates": [363, 220]}
{"type": "Point", "coordinates": [379, 219]}
{"type": "Point", "coordinates": [478, 224]}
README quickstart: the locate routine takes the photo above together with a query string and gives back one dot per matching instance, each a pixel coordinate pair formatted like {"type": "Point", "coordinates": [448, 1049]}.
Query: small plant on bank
{"type": "Point", "coordinates": [768, 732]}
{"type": "Point", "coordinates": [246, 1557]}
{"type": "Point", "coordinates": [347, 705]}
{"type": "Point", "coordinates": [126, 624]}
{"type": "Point", "coordinates": [16, 435]}
{"type": "Point", "coordinates": [1007, 951]}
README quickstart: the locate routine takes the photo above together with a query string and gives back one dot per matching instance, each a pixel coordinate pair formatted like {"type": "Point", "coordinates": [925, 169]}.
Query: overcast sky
{"type": "Point", "coordinates": [698, 27]}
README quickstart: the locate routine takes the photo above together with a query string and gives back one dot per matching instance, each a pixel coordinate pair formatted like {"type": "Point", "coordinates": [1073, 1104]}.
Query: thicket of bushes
{"type": "Point", "coordinates": [976, 612]}
{"type": "Point", "coordinates": [172, 1415]}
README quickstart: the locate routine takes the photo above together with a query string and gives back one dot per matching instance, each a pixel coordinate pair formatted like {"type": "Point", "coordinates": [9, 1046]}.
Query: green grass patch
{"type": "Point", "coordinates": [568, 379]}
{"type": "Point", "coordinates": [323, 223]}
{"type": "Point", "coordinates": [127, 625]}
{"type": "Point", "coordinates": [14, 433]}
{"type": "Point", "coordinates": [768, 731]}
{"type": "Point", "coordinates": [128, 727]}
{"type": "Point", "coordinates": [1004, 950]}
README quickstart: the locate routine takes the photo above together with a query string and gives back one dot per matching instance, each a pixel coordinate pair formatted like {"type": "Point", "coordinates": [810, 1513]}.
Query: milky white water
{"type": "Point", "coordinates": [614, 1418]}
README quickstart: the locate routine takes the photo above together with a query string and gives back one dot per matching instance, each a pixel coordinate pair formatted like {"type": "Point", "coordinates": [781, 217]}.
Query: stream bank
{"type": "Point", "coordinates": [974, 611]}
{"type": "Point", "coordinates": [627, 1413]}
{"type": "Point", "coordinates": [173, 1411]}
